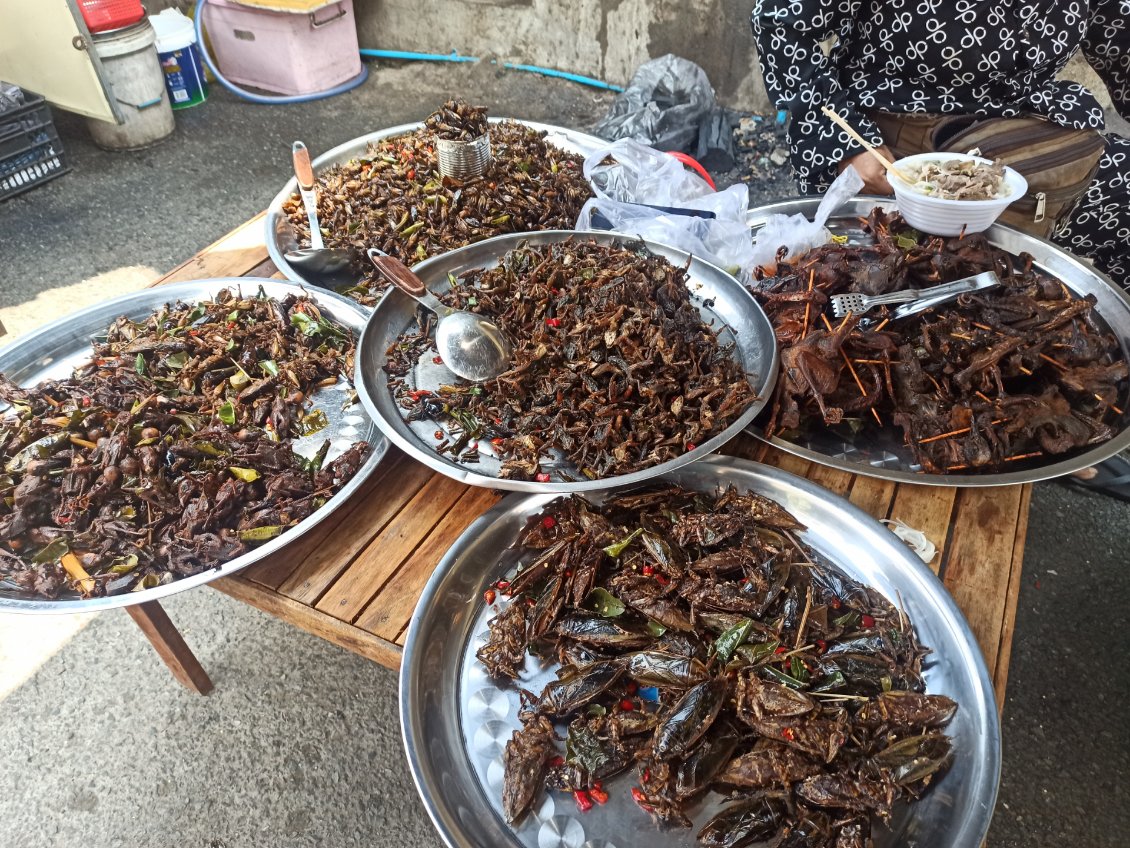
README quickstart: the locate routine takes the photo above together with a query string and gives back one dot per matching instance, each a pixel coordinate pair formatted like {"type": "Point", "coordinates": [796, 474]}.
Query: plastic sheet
{"type": "Point", "coordinates": [795, 233]}
{"type": "Point", "coordinates": [663, 105]}
{"type": "Point", "coordinates": [640, 178]}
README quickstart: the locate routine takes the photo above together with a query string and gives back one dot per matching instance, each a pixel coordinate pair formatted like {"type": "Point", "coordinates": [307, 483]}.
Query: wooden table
{"type": "Point", "coordinates": [355, 579]}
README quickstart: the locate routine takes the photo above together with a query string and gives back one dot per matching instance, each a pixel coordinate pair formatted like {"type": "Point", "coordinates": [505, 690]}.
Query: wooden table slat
{"type": "Point", "coordinates": [873, 496]}
{"type": "Point", "coordinates": [236, 254]}
{"type": "Point", "coordinates": [316, 574]}
{"type": "Point", "coordinates": [365, 576]}
{"type": "Point", "coordinates": [979, 564]}
{"type": "Point", "coordinates": [389, 612]}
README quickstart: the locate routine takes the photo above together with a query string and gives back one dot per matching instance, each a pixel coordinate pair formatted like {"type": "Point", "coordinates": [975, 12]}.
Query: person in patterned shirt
{"type": "Point", "coordinates": [878, 61]}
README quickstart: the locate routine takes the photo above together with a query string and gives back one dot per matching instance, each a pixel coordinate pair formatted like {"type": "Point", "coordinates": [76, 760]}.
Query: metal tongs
{"type": "Point", "coordinates": [913, 300]}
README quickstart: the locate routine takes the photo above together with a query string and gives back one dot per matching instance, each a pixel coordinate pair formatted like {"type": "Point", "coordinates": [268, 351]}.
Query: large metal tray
{"type": "Point", "coordinates": [53, 351]}
{"type": "Point", "coordinates": [456, 720]}
{"type": "Point", "coordinates": [884, 455]}
{"type": "Point", "coordinates": [280, 235]}
{"type": "Point", "coordinates": [721, 300]}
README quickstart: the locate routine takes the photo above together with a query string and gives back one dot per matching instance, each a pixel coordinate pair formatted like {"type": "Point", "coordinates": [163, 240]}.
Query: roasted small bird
{"type": "Point", "coordinates": [793, 691]}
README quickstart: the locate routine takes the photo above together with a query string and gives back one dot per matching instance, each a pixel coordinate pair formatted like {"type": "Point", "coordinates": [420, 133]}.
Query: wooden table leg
{"type": "Point", "coordinates": [170, 645]}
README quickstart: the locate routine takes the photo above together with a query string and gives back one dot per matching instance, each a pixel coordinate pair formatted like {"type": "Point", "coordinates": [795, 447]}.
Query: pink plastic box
{"type": "Point", "coordinates": [285, 52]}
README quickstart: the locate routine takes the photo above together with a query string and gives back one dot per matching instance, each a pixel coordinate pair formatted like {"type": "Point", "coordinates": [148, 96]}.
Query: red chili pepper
{"type": "Point", "coordinates": [639, 797]}
{"type": "Point", "coordinates": [646, 775]}
{"type": "Point", "coordinates": [584, 802]}
{"type": "Point", "coordinates": [438, 360]}
{"type": "Point", "coordinates": [661, 580]}
{"type": "Point", "coordinates": [836, 603]}
{"type": "Point", "coordinates": [781, 649]}
{"type": "Point", "coordinates": [599, 795]}
{"type": "Point", "coordinates": [627, 706]}
{"type": "Point", "coordinates": [502, 585]}
{"type": "Point", "coordinates": [691, 446]}
{"type": "Point", "coordinates": [411, 173]}
{"type": "Point", "coordinates": [489, 595]}
{"type": "Point", "coordinates": [821, 645]}
{"type": "Point", "coordinates": [554, 762]}
{"type": "Point", "coordinates": [788, 734]}
{"type": "Point", "coordinates": [542, 477]}
{"type": "Point", "coordinates": [632, 687]}
{"type": "Point", "coordinates": [86, 401]}
{"type": "Point", "coordinates": [867, 621]}
{"type": "Point", "coordinates": [648, 571]}
{"type": "Point", "coordinates": [553, 322]}
{"type": "Point", "coordinates": [418, 393]}
{"type": "Point", "coordinates": [568, 572]}
{"type": "Point", "coordinates": [438, 434]}
{"type": "Point", "coordinates": [498, 440]}
{"type": "Point", "coordinates": [549, 522]}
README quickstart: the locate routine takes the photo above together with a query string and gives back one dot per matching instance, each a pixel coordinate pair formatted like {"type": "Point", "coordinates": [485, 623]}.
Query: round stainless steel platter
{"type": "Point", "coordinates": [280, 235]}
{"type": "Point", "coordinates": [883, 454]}
{"type": "Point", "coordinates": [53, 351]}
{"type": "Point", "coordinates": [456, 720]}
{"type": "Point", "coordinates": [720, 299]}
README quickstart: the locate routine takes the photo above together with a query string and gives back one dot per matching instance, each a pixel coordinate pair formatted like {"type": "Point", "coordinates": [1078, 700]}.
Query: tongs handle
{"type": "Point", "coordinates": [936, 295]}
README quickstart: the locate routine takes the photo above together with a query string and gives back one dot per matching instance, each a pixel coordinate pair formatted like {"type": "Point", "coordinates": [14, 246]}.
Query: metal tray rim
{"type": "Point", "coordinates": [755, 218]}
{"type": "Point", "coordinates": [351, 149]}
{"type": "Point", "coordinates": [167, 293]}
{"type": "Point", "coordinates": [465, 475]}
{"type": "Point", "coordinates": [717, 469]}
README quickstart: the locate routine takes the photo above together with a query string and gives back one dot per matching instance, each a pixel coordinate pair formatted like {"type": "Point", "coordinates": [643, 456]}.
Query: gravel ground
{"type": "Point", "coordinates": [299, 744]}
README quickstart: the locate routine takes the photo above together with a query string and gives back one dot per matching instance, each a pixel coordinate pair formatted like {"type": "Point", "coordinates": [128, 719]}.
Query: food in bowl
{"type": "Point", "coordinates": [957, 179]}
{"type": "Point", "coordinates": [756, 690]}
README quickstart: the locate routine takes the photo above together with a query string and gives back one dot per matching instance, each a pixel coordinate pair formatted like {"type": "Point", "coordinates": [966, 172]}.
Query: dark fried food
{"type": "Point", "coordinates": [170, 451]}
{"type": "Point", "coordinates": [812, 708]}
{"type": "Point", "coordinates": [394, 197]}
{"type": "Point", "coordinates": [612, 366]}
{"type": "Point", "coordinates": [1021, 372]}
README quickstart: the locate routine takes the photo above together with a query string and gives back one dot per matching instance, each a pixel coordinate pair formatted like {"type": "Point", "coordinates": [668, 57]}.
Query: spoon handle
{"type": "Point", "coordinates": [402, 277]}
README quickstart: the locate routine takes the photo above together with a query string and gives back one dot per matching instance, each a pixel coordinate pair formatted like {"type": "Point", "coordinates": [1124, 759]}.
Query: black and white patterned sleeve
{"type": "Point", "coordinates": [1107, 48]}
{"type": "Point", "coordinates": [800, 78]}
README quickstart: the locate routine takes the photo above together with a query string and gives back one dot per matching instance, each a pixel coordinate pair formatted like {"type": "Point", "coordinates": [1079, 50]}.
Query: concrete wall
{"type": "Point", "coordinates": [606, 39]}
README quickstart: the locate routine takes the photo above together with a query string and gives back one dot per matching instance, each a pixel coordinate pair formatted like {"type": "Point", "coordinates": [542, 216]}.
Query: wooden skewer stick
{"type": "Point", "coordinates": [882, 324]}
{"type": "Point", "coordinates": [864, 143]}
{"type": "Point", "coordinates": [1054, 362]}
{"type": "Point", "coordinates": [851, 368]}
{"type": "Point", "coordinates": [953, 433]}
{"type": "Point", "coordinates": [1099, 398]}
{"type": "Point", "coordinates": [808, 304]}
{"type": "Point", "coordinates": [78, 573]}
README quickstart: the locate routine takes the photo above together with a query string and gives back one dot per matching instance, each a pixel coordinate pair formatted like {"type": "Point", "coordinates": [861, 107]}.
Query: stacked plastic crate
{"type": "Point", "coordinates": [30, 150]}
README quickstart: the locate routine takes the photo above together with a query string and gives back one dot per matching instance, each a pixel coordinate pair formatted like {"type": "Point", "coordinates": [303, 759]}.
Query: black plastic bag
{"type": "Point", "coordinates": [663, 105]}
{"type": "Point", "coordinates": [715, 150]}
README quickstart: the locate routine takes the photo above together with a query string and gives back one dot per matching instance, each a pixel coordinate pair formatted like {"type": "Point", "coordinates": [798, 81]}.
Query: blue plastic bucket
{"type": "Point", "coordinates": [180, 59]}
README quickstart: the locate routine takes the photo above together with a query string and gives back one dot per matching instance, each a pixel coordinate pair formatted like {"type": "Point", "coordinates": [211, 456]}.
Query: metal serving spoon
{"type": "Point", "coordinates": [317, 264]}
{"type": "Point", "coordinates": [471, 346]}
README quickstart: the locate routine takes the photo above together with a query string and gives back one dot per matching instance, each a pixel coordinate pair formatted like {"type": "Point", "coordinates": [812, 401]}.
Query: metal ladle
{"type": "Point", "coordinates": [328, 267]}
{"type": "Point", "coordinates": [471, 346]}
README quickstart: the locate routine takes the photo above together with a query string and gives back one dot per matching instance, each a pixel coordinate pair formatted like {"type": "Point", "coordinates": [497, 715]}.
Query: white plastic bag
{"type": "Point", "coordinates": [642, 175]}
{"type": "Point", "coordinates": [796, 233]}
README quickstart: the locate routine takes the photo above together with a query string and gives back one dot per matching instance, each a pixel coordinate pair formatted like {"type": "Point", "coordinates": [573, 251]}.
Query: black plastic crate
{"type": "Point", "coordinates": [30, 150]}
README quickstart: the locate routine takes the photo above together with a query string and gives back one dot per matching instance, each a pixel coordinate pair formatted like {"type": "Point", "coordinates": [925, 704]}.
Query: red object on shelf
{"type": "Point", "coordinates": [102, 15]}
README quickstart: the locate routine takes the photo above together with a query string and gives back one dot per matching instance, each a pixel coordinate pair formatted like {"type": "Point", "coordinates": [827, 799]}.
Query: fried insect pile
{"type": "Point", "coordinates": [456, 120]}
{"type": "Point", "coordinates": [1018, 372]}
{"type": "Point", "coordinates": [170, 451]}
{"type": "Point", "coordinates": [612, 364]}
{"type": "Point", "coordinates": [394, 198]}
{"type": "Point", "coordinates": [699, 643]}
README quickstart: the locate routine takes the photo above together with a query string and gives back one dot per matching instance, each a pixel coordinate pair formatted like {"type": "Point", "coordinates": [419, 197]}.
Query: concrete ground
{"type": "Point", "coordinates": [299, 745]}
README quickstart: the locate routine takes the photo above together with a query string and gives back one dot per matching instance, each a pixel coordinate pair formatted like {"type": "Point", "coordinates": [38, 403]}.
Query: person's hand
{"type": "Point", "coordinates": [873, 173]}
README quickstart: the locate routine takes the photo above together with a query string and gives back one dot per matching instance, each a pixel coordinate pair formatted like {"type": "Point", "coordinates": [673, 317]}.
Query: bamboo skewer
{"type": "Point", "coordinates": [864, 143]}
{"type": "Point", "coordinates": [808, 305]}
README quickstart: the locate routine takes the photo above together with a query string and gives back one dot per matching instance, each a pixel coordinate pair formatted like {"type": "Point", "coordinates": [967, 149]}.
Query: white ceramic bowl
{"type": "Point", "coordinates": [947, 217]}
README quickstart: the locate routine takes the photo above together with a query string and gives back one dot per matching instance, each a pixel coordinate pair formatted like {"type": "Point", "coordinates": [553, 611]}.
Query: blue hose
{"type": "Point", "coordinates": [265, 98]}
{"type": "Point", "coordinates": [407, 55]}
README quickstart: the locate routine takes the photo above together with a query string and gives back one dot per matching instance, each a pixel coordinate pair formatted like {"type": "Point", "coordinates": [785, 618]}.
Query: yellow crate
{"type": "Point", "coordinates": [300, 6]}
